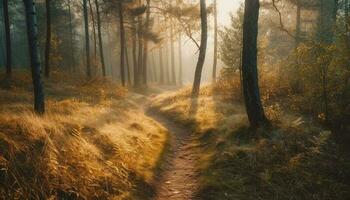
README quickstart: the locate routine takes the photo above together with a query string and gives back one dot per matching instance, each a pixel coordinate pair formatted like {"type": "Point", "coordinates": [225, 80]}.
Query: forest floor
{"type": "Point", "coordinates": [100, 141]}
{"type": "Point", "coordinates": [178, 178]}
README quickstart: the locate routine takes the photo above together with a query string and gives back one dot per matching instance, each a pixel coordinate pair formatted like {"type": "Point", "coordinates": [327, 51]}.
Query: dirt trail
{"type": "Point", "coordinates": [178, 178]}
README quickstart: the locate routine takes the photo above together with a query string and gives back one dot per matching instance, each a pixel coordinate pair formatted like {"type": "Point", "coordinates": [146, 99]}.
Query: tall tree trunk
{"type": "Point", "coordinates": [161, 65]}
{"type": "Point", "coordinates": [134, 53]}
{"type": "Point", "coordinates": [154, 67]}
{"type": "Point", "coordinates": [347, 20]}
{"type": "Point", "coordinates": [48, 38]}
{"type": "Point", "coordinates": [100, 41]}
{"type": "Point", "coordinates": [122, 42]}
{"type": "Point", "coordinates": [167, 76]}
{"type": "Point", "coordinates": [127, 65]}
{"type": "Point", "coordinates": [172, 52]}
{"type": "Point", "coordinates": [202, 50]}
{"type": "Point", "coordinates": [180, 60]}
{"type": "Point", "coordinates": [110, 52]}
{"type": "Point", "coordinates": [140, 46]}
{"type": "Point", "coordinates": [71, 35]}
{"type": "Point", "coordinates": [87, 39]}
{"type": "Point", "coordinates": [145, 43]}
{"type": "Point", "coordinates": [8, 39]}
{"type": "Point", "coordinates": [215, 41]}
{"type": "Point", "coordinates": [32, 32]}
{"type": "Point", "coordinates": [298, 24]}
{"type": "Point", "coordinates": [93, 31]}
{"type": "Point", "coordinates": [252, 99]}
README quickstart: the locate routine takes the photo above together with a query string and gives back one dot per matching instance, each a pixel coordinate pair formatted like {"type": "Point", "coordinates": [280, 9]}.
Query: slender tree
{"type": "Point", "coordinates": [32, 32]}
{"type": "Point", "coordinates": [172, 54]}
{"type": "Point", "coordinates": [100, 41]}
{"type": "Point", "coordinates": [140, 47]}
{"type": "Point", "coordinates": [215, 40]}
{"type": "Point", "coordinates": [145, 43]}
{"type": "Point", "coordinates": [180, 59]}
{"type": "Point", "coordinates": [8, 39]}
{"type": "Point", "coordinates": [202, 49]}
{"type": "Point", "coordinates": [128, 68]}
{"type": "Point", "coordinates": [71, 35]}
{"type": "Point", "coordinates": [48, 38]}
{"type": "Point", "coordinates": [93, 31]}
{"type": "Point", "coordinates": [161, 65]}
{"type": "Point", "coordinates": [251, 91]}
{"type": "Point", "coordinates": [87, 39]}
{"type": "Point", "coordinates": [134, 52]}
{"type": "Point", "coordinates": [122, 42]}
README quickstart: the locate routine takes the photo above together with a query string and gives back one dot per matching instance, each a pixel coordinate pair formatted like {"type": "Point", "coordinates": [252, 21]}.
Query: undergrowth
{"type": "Point", "coordinates": [90, 144]}
{"type": "Point", "coordinates": [295, 159]}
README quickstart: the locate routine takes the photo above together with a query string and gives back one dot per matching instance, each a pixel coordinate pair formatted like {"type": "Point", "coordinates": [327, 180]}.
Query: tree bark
{"type": "Point", "coordinates": [298, 24]}
{"type": "Point", "coordinates": [122, 43]}
{"type": "Point", "coordinates": [202, 49]}
{"type": "Point", "coordinates": [93, 32]}
{"type": "Point", "coordinates": [215, 41]}
{"type": "Point", "coordinates": [154, 67]}
{"type": "Point", "coordinates": [87, 39]}
{"type": "Point", "coordinates": [167, 76]}
{"type": "Point", "coordinates": [127, 65]}
{"type": "Point", "coordinates": [346, 16]}
{"type": "Point", "coordinates": [71, 35]}
{"type": "Point", "coordinates": [172, 52]}
{"type": "Point", "coordinates": [161, 66]}
{"type": "Point", "coordinates": [180, 60]}
{"type": "Point", "coordinates": [251, 91]}
{"type": "Point", "coordinates": [48, 39]}
{"type": "Point", "coordinates": [140, 47]}
{"type": "Point", "coordinates": [32, 33]}
{"type": "Point", "coordinates": [8, 39]}
{"type": "Point", "coordinates": [145, 43]}
{"type": "Point", "coordinates": [100, 41]}
{"type": "Point", "coordinates": [134, 53]}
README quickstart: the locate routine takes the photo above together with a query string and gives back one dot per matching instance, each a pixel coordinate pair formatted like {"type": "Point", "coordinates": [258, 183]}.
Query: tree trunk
{"type": "Point", "coordinates": [100, 41]}
{"type": "Point", "coordinates": [32, 32]}
{"type": "Point", "coordinates": [180, 60]}
{"type": "Point", "coordinates": [87, 39]}
{"type": "Point", "coordinates": [161, 66]}
{"type": "Point", "coordinates": [298, 24]}
{"type": "Point", "coordinates": [154, 67]}
{"type": "Point", "coordinates": [71, 36]}
{"type": "Point", "coordinates": [202, 50]}
{"type": "Point", "coordinates": [145, 43]}
{"type": "Point", "coordinates": [346, 16]}
{"type": "Point", "coordinates": [215, 41]}
{"type": "Point", "coordinates": [134, 54]}
{"type": "Point", "coordinates": [48, 38]}
{"type": "Point", "coordinates": [172, 51]}
{"type": "Point", "coordinates": [93, 32]}
{"type": "Point", "coordinates": [251, 91]}
{"type": "Point", "coordinates": [8, 39]}
{"type": "Point", "coordinates": [167, 76]}
{"type": "Point", "coordinates": [140, 49]}
{"type": "Point", "coordinates": [122, 42]}
{"type": "Point", "coordinates": [127, 65]}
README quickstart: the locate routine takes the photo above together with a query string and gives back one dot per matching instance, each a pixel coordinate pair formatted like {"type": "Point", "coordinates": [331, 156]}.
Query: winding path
{"type": "Point", "coordinates": [178, 179]}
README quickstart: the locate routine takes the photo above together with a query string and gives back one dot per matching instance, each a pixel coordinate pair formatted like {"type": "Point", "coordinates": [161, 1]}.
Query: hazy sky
{"type": "Point", "coordinates": [225, 7]}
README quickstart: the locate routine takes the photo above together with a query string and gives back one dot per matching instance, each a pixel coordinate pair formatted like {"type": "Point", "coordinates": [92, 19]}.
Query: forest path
{"type": "Point", "coordinates": [178, 178]}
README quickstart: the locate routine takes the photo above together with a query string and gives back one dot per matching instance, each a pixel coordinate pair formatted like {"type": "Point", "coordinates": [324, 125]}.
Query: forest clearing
{"type": "Point", "coordinates": [175, 99]}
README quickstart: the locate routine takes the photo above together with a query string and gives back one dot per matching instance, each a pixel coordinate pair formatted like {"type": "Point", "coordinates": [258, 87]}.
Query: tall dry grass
{"type": "Point", "coordinates": [296, 159]}
{"type": "Point", "coordinates": [91, 143]}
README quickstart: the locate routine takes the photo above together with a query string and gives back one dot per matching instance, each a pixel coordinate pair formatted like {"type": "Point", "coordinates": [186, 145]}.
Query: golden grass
{"type": "Point", "coordinates": [91, 143]}
{"type": "Point", "coordinates": [294, 160]}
